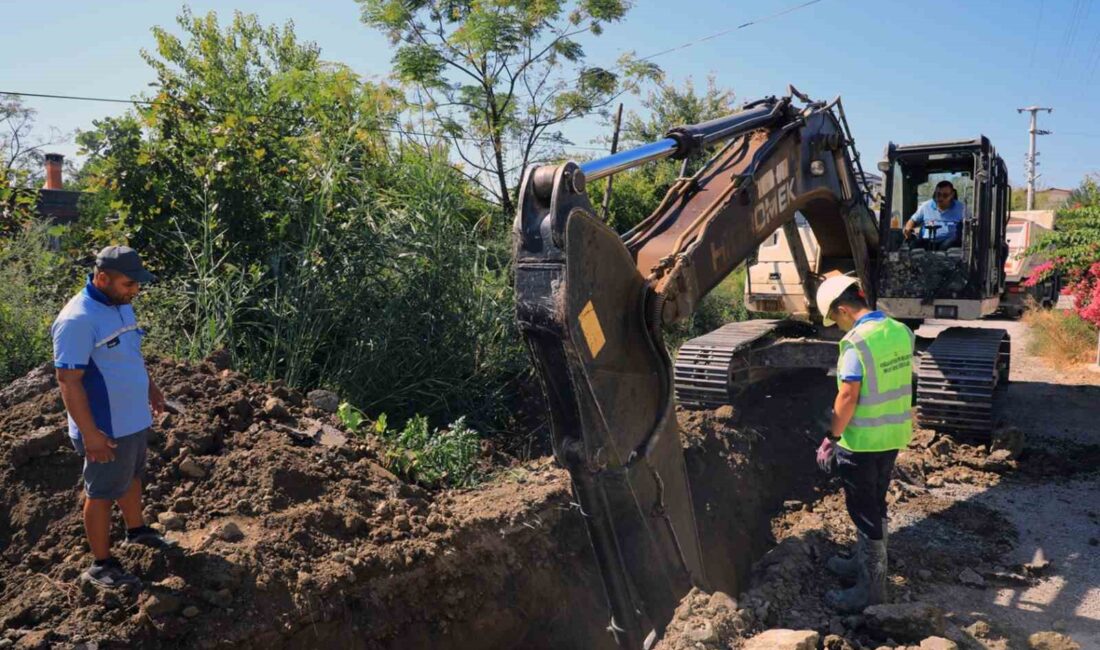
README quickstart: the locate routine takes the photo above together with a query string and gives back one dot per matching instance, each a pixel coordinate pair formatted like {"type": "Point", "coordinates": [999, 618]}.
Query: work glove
{"type": "Point", "coordinates": [826, 454]}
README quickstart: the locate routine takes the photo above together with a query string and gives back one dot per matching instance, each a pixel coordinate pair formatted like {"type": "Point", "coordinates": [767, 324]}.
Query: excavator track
{"type": "Point", "coordinates": [957, 377]}
{"type": "Point", "coordinates": [708, 366]}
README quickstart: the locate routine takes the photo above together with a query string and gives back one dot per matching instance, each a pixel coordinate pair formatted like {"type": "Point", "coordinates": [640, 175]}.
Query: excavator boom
{"type": "Point", "coordinates": [591, 305]}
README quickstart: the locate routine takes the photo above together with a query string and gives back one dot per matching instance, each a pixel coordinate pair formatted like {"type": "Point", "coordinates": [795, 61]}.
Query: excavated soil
{"type": "Point", "coordinates": [946, 548]}
{"type": "Point", "coordinates": [292, 534]}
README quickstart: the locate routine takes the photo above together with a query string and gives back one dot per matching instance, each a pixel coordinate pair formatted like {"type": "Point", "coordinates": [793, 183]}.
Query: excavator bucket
{"type": "Point", "coordinates": [584, 311]}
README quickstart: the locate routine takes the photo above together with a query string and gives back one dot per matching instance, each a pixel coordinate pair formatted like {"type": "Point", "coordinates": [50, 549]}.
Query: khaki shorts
{"type": "Point", "coordinates": [111, 480]}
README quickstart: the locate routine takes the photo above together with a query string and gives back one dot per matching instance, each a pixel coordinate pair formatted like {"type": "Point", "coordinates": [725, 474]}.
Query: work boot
{"type": "Point", "coordinates": [845, 568]}
{"type": "Point", "coordinates": [870, 585]}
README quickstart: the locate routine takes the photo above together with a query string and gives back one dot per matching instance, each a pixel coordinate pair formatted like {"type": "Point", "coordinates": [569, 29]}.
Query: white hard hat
{"type": "Point", "coordinates": [829, 291]}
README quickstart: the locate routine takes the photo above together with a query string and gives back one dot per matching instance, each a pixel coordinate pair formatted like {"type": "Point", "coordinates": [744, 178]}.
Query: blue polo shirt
{"type": "Point", "coordinates": [851, 369]}
{"type": "Point", "coordinates": [103, 339]}
{"type": "Point", "coordinates": [949, 220]}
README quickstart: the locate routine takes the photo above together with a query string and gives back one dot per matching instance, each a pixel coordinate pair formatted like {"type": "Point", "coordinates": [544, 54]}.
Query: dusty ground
{"type": "Point", "coordinates": [292, 536]}
{"type": "Point", "coordinates": [334, 551]}
{"type": "Point", "coordinates": [1056, 515]}
{"type": "Point", "coordinates": [1002, 548]}
{"type": "Point", "coordinates": [289, 534]}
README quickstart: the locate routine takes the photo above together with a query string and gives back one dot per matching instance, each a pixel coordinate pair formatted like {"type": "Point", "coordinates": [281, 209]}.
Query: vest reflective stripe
{"type": "Point", "coordinates": [893, 418]}
{"type": "Point", "coordinates": [888, 396]}
{"type": "Point", "coordinates": [883, 419]}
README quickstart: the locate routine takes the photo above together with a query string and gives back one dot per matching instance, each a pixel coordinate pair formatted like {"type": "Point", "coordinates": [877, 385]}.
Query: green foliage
{"type": "Point", "coordinates": [1087, 194]}
{"type": "Point", "coordinates": [17, 206]}
{"type": "Point", "coordinates": [1073, 249]}
{"type": "Point", "coordinates": [500, 78]}
{"type": "Point", "coordinates": [1044, 199]}
{"type": "Point", "coordinates": [286, 227]}
{"type": "Point", "coordinates": [36, 282]}
{"type": "Point", "coordinates": [433, 458]}
{"type": "Point", "coordinates": [21, 165]}
{"type": "Point", "coordinates": [350, 416]}
{"type": "Point", "coordinates": [635, 194]}
{"type": "Point", "coordinates": [724, 304]}
{"type": "Point", "coordinates": [1074, 245]}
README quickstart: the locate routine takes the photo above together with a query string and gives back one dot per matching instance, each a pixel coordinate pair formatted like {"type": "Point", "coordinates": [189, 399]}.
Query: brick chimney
{"type": "Point", "coordinates": [54, 161]}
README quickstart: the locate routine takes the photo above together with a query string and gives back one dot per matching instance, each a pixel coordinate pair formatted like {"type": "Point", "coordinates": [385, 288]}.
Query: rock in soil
{"type": "Point", "coordinates": [325, 400]}
{"type": "Point", "coordinates": [1052, 641]}
{"type": "Point", "coordinates": [938, 643]}
{"type": "Point", "coordinates": [229, 532]}
{"type": "Point", "coordinates": [906, 621]}
{"type": "Point", "coordinates": [783, 640]}
{"type": "Point", "coordinates": [970, 577]}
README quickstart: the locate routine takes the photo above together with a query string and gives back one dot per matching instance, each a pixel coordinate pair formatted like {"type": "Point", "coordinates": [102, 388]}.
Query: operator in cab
{"type": "Point", "coordinates": [871, 422]}
{"type": "Point", "coordinates": [941, 217]}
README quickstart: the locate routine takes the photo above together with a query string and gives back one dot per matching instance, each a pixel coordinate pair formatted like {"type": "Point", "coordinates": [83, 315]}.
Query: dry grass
{"type": "Point", "coordinates": [1061, 337]}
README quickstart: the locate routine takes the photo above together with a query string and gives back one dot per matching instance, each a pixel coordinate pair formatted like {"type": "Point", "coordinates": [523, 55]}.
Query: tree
{"type": "Point", "coordinates": [288, 224]}
{"type": "Point", "coordinates": [241, 118]}
{"type": "Point", "coordinates": [499, 78]}
{"type": "Point", "coordinates": [636, 193]}
{"type": "Point", "coordinates": [22, 158]}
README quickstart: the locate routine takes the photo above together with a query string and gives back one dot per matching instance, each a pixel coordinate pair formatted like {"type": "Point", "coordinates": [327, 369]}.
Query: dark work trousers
{"type": "Point", "coordinates": [866, 478]}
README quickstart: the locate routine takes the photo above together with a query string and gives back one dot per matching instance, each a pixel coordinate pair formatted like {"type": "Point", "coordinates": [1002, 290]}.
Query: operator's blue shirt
{"type": "Point", "coordinates": [949, 220]}
{"type": "Point", "coordinates": [850, 367]}
{"type": "Point", "coordinates": [103, 339]}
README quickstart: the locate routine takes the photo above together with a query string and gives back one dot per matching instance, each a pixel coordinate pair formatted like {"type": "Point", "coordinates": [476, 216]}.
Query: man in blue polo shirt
{"type": "Point", "coordinates": [940, 217]}
{"type": "Point", "coordinates": [110, 399]}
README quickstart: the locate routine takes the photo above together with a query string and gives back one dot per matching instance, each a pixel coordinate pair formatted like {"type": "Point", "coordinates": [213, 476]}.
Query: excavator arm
{"type": "Point", "coordinates": [591, 305]}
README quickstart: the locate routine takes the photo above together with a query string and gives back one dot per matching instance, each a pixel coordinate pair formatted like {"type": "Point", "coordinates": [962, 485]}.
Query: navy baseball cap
{"type": "Point", "coordinates": [124, 260]}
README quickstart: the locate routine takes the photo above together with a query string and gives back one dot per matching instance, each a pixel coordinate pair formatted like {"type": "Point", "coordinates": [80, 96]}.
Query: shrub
{"type": "Point", "coordinates": [1073, 249]}
{"type": "Point", "coordinates": [36, 284]}
{"type": "Point", "coordinates": [445, 457]}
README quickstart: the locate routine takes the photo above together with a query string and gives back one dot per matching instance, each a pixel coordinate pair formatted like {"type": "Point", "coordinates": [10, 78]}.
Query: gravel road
{"type": "Point", "coordinates": [1057, 520]}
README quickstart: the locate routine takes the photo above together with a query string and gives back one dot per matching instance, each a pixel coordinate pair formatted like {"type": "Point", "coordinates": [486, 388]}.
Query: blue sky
{"type": "Point", "coordinates": [908, 71]}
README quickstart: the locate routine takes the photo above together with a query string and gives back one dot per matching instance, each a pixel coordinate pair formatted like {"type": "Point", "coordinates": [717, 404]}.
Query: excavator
{"type": "Point", "coordinates": [591, 304]}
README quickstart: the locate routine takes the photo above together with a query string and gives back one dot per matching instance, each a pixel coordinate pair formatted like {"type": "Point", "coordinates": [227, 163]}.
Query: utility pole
{"type": "Point", "coordinates": [1031, 153]}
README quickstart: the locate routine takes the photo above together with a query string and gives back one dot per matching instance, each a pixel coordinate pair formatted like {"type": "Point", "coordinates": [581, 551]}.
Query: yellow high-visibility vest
{"type": "Point", "coordinates": [883, 418]}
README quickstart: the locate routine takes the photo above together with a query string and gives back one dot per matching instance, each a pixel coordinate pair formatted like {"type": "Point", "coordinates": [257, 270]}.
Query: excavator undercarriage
{"type": "Point", "coordinates": [591, 305]}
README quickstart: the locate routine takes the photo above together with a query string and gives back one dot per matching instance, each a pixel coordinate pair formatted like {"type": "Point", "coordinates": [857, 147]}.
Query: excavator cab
{"type": "Point", "coordinates": [960, 275]}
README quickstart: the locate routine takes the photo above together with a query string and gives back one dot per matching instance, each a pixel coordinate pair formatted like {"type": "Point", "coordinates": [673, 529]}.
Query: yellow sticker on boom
{"type": "Point", "coordinates": [593, 333]}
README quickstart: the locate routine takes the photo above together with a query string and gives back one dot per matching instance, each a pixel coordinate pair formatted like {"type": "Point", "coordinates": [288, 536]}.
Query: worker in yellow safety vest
{"type": "Point", "coordinates": [871, 421]}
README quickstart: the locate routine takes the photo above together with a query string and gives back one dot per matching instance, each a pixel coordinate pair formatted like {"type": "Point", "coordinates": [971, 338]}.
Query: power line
{"type": "Point", "coordinates": [1035, 42]}
{"type": "Point", "coordinates": [148, 102]}
{"type": "Point", "coordinates": [754, 21]}
{"type": "Point", "coordinates": [684, 46]}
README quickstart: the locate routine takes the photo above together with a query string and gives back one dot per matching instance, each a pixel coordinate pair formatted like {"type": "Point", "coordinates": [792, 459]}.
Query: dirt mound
{"type": "Point", "coordinates": [291, 536]}
{"type": "Point", "coordinates": [281, 517]}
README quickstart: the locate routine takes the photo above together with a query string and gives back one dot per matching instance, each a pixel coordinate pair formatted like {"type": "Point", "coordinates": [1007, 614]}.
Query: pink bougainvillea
{"type": "Point", "coordinates": [1038, 274]}
{"type": "Point", "coordinates": [1086, 294]}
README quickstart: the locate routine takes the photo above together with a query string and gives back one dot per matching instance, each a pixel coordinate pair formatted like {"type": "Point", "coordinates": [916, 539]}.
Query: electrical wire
{"type": "Point", "coordinates": [682, 46]}
{"type": "Point", "coordinates": [210, 109]}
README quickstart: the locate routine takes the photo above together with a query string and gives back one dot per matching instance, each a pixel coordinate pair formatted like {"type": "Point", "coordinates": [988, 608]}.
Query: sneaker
{"type": "Point", "coordinates": [110, 575]}
{"type": "Point", "coordinates": [147, 536]}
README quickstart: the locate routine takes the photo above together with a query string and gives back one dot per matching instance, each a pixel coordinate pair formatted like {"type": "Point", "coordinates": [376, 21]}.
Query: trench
{"type": "Point", "coordinates": [523, 576]}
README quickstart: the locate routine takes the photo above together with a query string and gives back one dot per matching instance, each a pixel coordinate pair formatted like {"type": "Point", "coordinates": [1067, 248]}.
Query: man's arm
{"type": "Point", "coordinates": [156, 398]}
{"type": "Point", "coordinates": [97, 446]}
{"type": "Point", "coordinates": [844, 407]}
{"type": "Point", "coordinates": [914, 222]}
